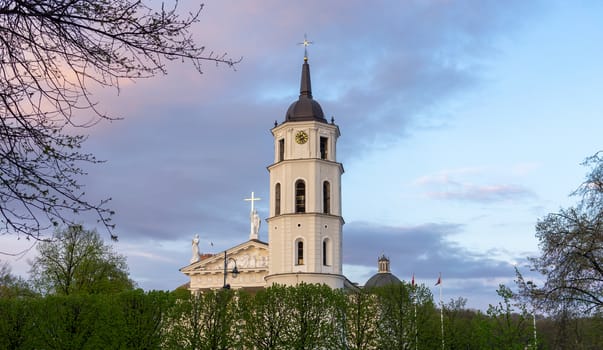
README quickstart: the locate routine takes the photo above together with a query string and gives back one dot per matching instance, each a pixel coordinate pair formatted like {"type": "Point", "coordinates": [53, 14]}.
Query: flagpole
{"type": "Point", "coordinates": [441, 310]}
{"type": "Point", "coordinates": [414, 292]}
{"type": "Point", "coordinates": [535, 338]}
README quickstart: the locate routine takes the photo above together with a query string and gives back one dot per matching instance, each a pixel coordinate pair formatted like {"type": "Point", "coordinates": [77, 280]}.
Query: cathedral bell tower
{"type": "Point", "coordinates": [305, 223]}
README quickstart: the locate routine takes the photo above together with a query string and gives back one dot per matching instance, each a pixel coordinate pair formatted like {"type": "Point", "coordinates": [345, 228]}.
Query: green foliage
{"type": "Point", "coordinates": [457, 325]}
{"type": "Point", "coordinates": [302, 317]}
{"type": "Point", "coordinates": [265, 322]}
{"type": "Point", "coordinates": [130, 320]}
{"type": "Point", "coordinates": [567, 331]}
{"type": "Point", "coordinates": [63, 323]}
{"type": "Point", "coordinates": [144, 316]}
{"type": "Point", "coordinates": [14, 322]}
{"type": "Point", "coordinates": [360, 321]}
{"type": "Point", "coordinates": [313, 317]}
{"type": "Point", "coordinates": [509, 327]}
{"type": "Point", "coordinates": [203, 321]}
{"type": "Point", "coordinates": [78, 261]}
{"type": "Point", "coordinates": [396, 316]}
{"type": "Point", "coordinates": [13, 286]}
{"type": "Point", "coordinates": [406, 317]}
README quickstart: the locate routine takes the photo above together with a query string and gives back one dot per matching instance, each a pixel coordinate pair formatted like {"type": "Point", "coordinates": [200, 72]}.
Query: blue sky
{"type": "Point", "coordinates": [462, 123]}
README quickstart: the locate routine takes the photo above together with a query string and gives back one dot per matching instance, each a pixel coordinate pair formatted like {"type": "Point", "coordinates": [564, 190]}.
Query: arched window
{"type": "Point", "coordinates": [300, 196]}
{"type": "Point", "coordinates": [299, 252]}
{"type": "Point", "coordinates": [326, 256]}
{"type": "Point", "coordinates": [277, 199]}
{"type": "Point", "coordinates": [326, 197]}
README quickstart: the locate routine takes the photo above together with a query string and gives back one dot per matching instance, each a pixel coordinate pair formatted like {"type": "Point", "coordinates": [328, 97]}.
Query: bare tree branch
{"type": "Point", "coordinates": [52, 52]}
{"type": "Point", "coordinates": [571, 245]}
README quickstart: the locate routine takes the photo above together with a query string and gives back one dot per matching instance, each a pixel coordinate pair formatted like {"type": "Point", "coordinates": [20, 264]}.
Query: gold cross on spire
{"type": "Point", "coordinates": [306, 43]}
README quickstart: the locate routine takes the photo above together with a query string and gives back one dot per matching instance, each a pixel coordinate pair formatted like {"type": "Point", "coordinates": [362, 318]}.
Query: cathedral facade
{"type": "Point", "coordinates": [305, 221]}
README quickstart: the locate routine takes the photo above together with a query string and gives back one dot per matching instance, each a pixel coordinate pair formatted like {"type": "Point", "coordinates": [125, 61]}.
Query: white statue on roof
{"type": "Point", "coordinates": [255, 225]}
{"type": "Point", "coordinates": [254, 218]}
{"type": "Point", "coordinates": [195, 246]}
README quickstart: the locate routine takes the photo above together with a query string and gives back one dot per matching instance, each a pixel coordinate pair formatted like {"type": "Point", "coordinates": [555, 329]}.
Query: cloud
{"type": "Point", "coordinates": [483, 193]}
{"type": "Point", "coordinates": [447, 185]}
{"type": "Point", "coordinates": [192, 146]}
{"type": "Point", "coordinates": [148, 255]}
{"type": "Point", "coordinates": [444, 177]}
{"type": "Point", "coordinates": [425, 251]}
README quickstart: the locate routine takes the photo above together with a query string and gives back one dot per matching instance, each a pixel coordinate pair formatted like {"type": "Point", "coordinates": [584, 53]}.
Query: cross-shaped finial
{"type": "Point", "coordinates": [306, 43]}
{"type": "Point", "coordinates": [252, 200]}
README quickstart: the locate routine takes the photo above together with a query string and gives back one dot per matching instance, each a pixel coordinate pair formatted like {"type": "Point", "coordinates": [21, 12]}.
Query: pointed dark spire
{"type": "Point", "coordinates": [305, 108]}
{"type": "Point", "coordinates": [306, 85]}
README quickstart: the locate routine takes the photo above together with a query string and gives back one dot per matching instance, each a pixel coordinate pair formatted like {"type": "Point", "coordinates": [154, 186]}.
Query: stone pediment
{"type": "Point", "coordinates": [251, 260]}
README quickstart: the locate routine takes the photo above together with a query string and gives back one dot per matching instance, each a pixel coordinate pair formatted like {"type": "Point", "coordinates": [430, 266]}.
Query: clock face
{"type": "Point", "coordinates": [301, 137]}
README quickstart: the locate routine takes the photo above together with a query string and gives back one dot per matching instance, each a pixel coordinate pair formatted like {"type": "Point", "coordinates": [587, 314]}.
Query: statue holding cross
{"type": "Point", "coordinates": [254, 218]}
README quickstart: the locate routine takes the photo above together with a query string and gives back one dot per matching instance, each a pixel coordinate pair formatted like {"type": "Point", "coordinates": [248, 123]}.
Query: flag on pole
{"type": "Point", "coordinates": [412, 282]}
{"type": "Point", "coordinates": [439, 283]}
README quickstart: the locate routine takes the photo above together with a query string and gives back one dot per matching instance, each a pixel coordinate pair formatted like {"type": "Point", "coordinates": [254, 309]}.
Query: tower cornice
{"type": "Point", "coordinates": [305, 124]}
{"type": "Point", "coordinates": [316, 214]}
{"type": "Point", "coordinates": [283, 162]}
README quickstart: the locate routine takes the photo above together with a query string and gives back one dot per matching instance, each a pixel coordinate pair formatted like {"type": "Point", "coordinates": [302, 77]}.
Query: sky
{"type": "Point", "coordinates": [462, 122]}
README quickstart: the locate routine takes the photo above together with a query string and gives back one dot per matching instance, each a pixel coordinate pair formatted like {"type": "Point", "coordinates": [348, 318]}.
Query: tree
{"type": "Point", "coordinates": [406, 317]}
{"type": "Point", "coordinates": [14, 320]}
{"type": "Point", "coordinates": [53, 53]}
{"type": "Point", "coordinates": [265, 324]}
{"type": "Point", "coordinates": [396, 316]}
{"type": "Point", "coordinates": [63, 322]}
{"type": "Point", "coordinates": [510, 328]}
{"type": "Point", "coordinates": [144, 319]}
{"type": "Point", "coordinates": [77, 261]}
{"type": "Point", "coordinates": [313, 317]}
{"type": "Point", "coordinates": [458, 330]}
{"type": "Point", "coordinates": [360, 320]}
{"type": "Point", "coordinates": [12, 286]}
{"type": "Point", "coordinates": [571, 245]}
{"type": "Point", "coordinates": [204, 321]}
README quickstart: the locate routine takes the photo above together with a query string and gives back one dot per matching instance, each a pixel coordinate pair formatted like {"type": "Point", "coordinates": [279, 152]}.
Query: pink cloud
{"type": "Point", "coordinates": [483, 193]}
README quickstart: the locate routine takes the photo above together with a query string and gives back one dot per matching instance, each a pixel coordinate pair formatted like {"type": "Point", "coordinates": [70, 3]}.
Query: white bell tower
{"type": "Point", "coordinates": [305, 223]}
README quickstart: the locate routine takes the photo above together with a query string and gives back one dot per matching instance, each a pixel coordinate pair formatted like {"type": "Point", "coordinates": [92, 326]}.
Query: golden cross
{"type": "Point", "coordinates": [306, 43]}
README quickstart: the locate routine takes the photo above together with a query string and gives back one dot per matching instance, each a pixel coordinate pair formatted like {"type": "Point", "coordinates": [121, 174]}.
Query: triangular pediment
{"type": "Point", "coordinates": [252, 254]}
{"type": "Point", "coordinates": [251, 259]}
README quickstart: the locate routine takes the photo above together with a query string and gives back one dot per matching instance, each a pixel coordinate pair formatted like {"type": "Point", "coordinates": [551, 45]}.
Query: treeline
{"type": "Point", "coordinates": [302, 317]}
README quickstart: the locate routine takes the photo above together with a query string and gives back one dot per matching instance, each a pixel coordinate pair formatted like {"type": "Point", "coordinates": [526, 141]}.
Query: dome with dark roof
{"type": "Point", "coordinates": [383, 277]}
{"type": "Point", "coordinates": [305, 108]}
